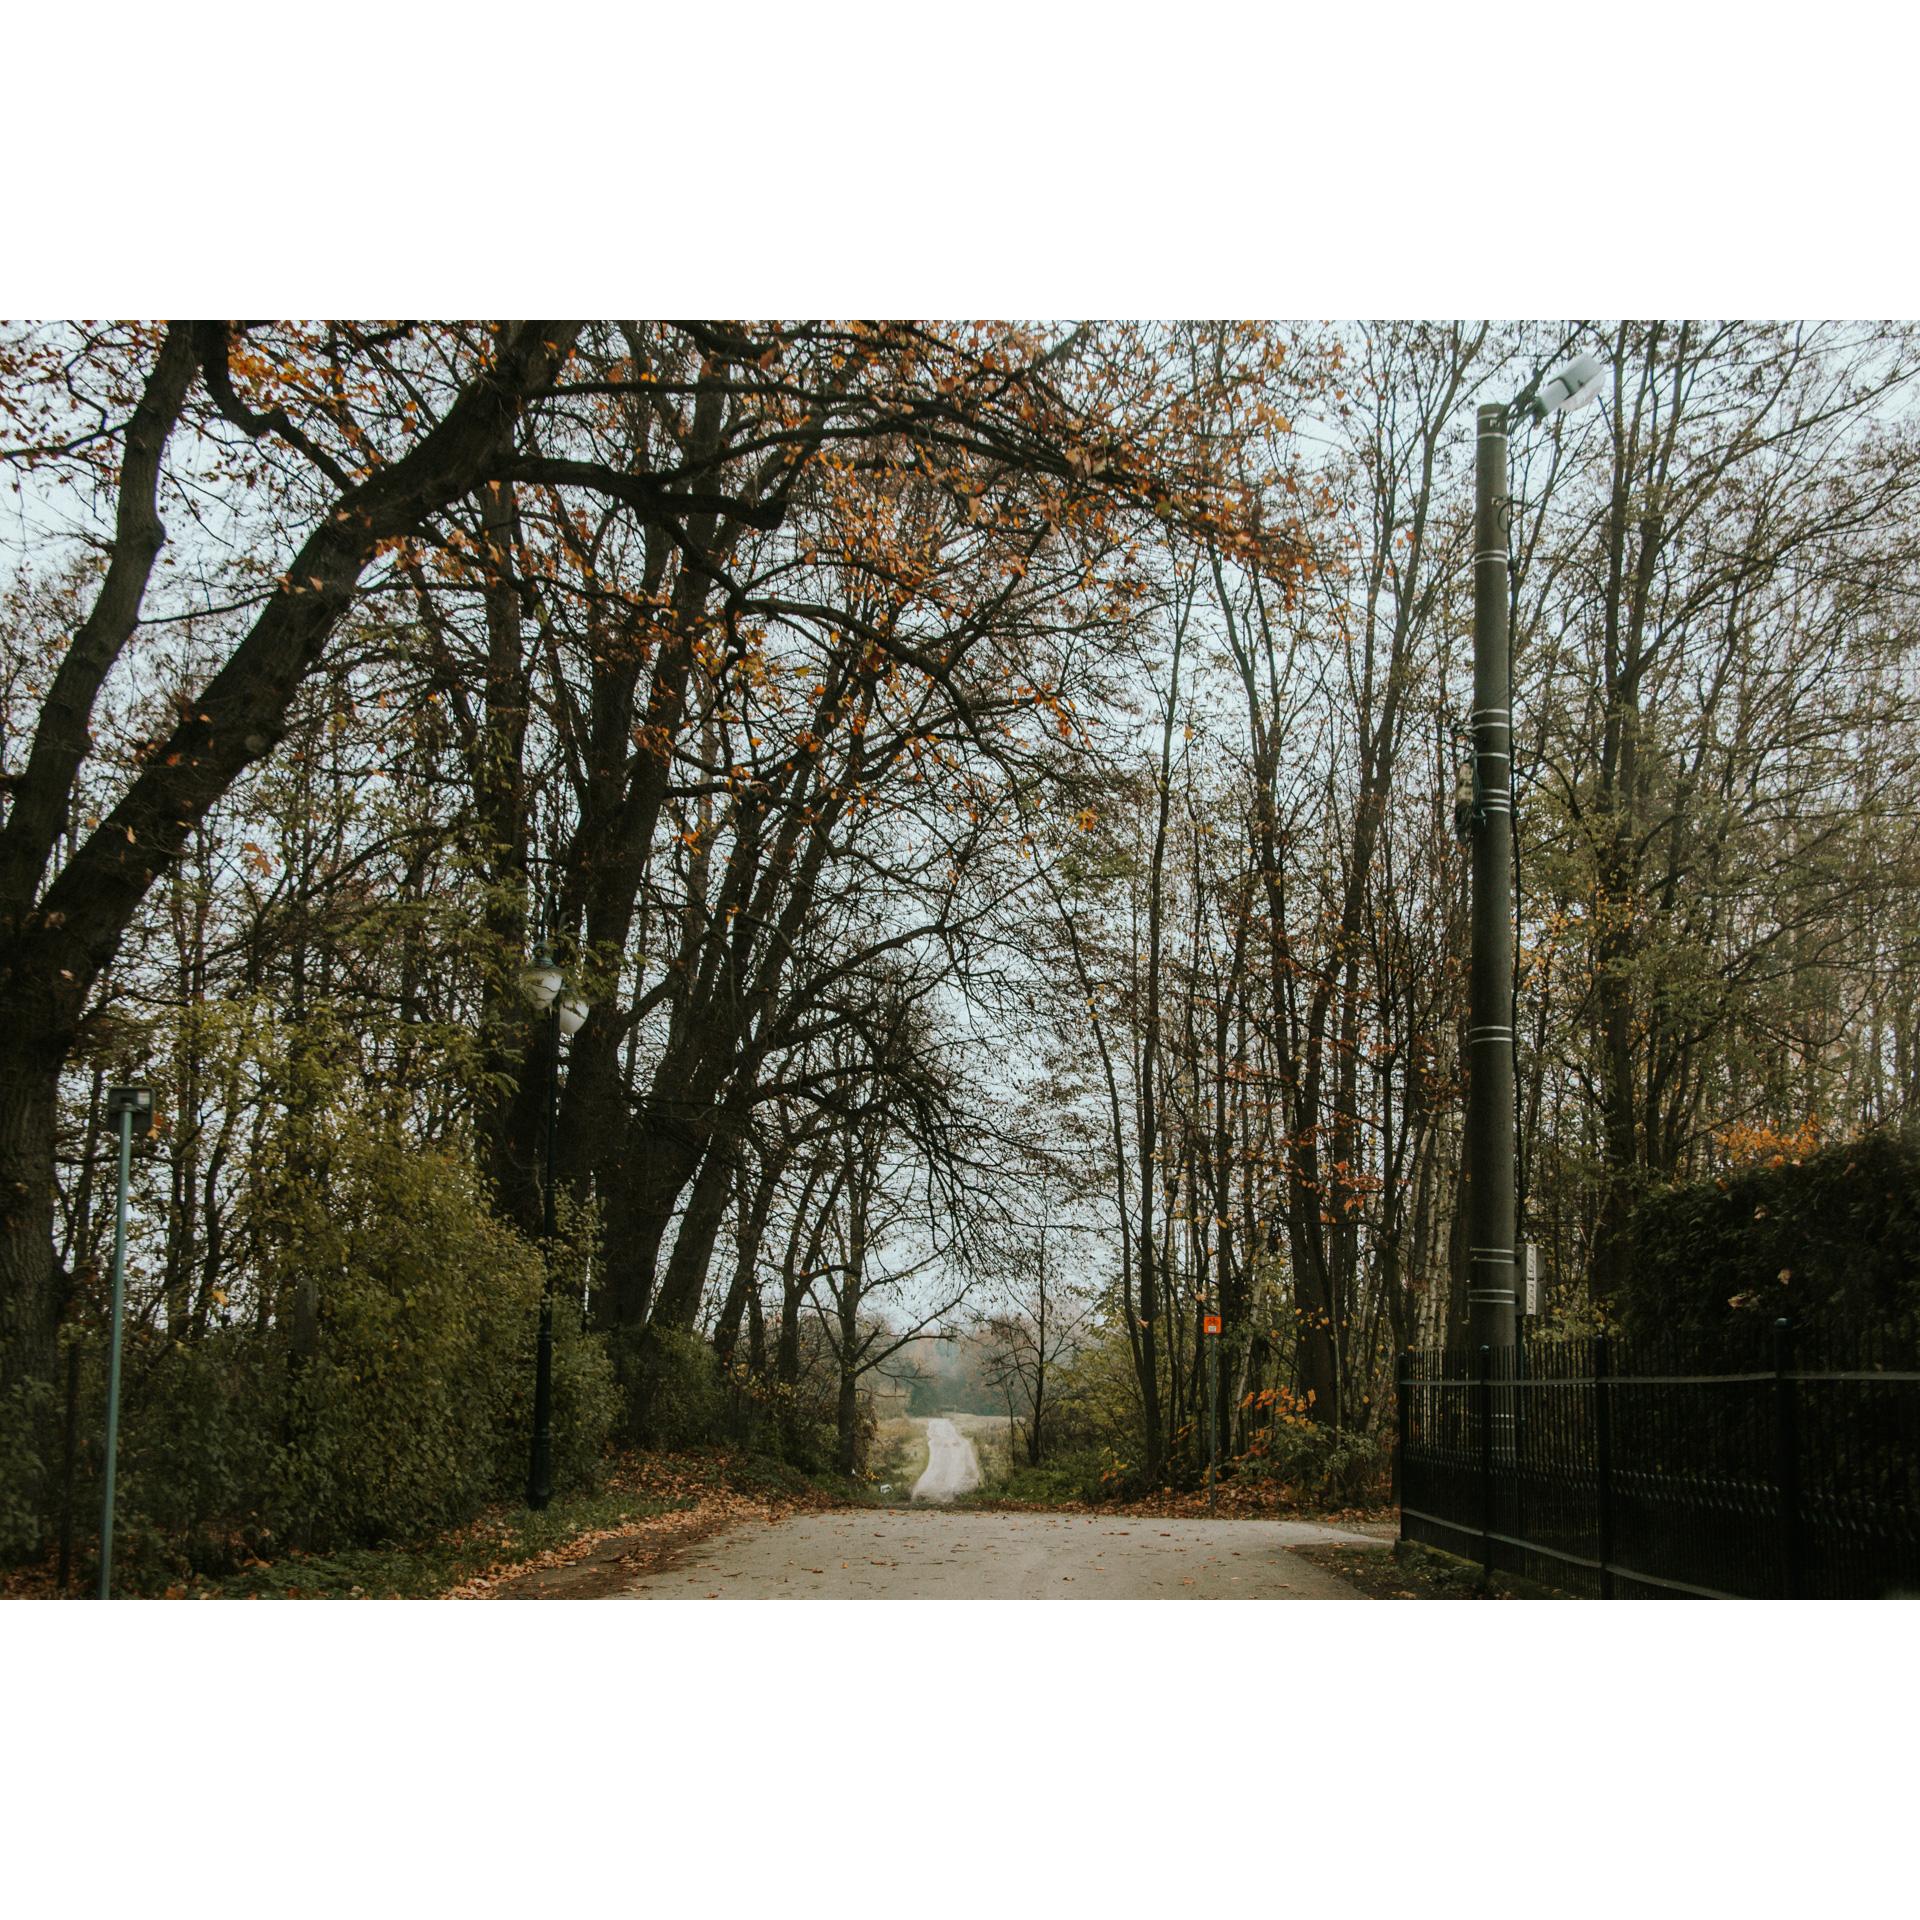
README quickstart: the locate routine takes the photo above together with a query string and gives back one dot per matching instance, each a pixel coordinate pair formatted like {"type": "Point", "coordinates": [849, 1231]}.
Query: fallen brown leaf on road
{"type": "Point", "coordinates": [656, 1538]}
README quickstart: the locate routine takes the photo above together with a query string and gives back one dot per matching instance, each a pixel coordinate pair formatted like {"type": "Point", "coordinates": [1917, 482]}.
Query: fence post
{"type": "Point", "coordinates": [1518, 1394]}
{"type": "Point", "coordinates": [1403, 1428]}
{"type": "Point", "coordinates": [1483, 1371]}
{"type": "Point", "coordinates": [1787, 1459]}
{"type": "Point", "coordinates": [1603, 1454]}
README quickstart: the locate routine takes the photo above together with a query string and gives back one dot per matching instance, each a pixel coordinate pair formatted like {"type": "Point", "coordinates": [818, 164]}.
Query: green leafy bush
{"type": "Point", "coordinates": [684, 1399]}
{"type": "Point", "coordinates": [394, 1400]}
{"type": "Point", "coordinates": [22, 1420]}
{"type": "Point", "coordinates": [200, 1445]}
{"type": "Point", "coordinates": [416, 1404]}
{"type": "Point", "coordinates": [1324, 1465]}
{"type": "Point", "coordinates": [1080, 1476]}
{"type": "Point", "coordinates": [1833, 1239]}
{"type": "Point", "coordinates": [797, 1425]}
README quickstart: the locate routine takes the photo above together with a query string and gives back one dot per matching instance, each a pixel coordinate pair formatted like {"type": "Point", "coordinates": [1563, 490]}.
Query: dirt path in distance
{"type": "Point", "coordinates": [952, 1465]}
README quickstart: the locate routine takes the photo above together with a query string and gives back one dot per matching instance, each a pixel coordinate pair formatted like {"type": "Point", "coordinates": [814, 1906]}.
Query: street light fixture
{"type": "Point", "coordinates": [1485, 813]}
{"type": "Point", "coordinates": [567, 1014]}
{"type": "Point", "coordinates": [542, 978]}
{"type": "Point", "coordinates": [1567, 391]}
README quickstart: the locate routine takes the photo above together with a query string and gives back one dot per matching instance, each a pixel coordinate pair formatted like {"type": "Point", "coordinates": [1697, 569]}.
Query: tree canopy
{"type": "Point", "coordinates": [991, 786]}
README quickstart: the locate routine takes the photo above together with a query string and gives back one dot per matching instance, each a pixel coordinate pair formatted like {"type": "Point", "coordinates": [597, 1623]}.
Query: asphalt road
{"type": "Point", "coordinates": [952, 1465]}
{"type": "Point", "coordinates": [929, 1554]}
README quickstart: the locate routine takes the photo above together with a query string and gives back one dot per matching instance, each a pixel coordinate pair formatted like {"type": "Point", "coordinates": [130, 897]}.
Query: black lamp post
{"type": "Point", "coordinates": [1485, 815]}
{"type": "Point", "coordinates": [566, 1014]}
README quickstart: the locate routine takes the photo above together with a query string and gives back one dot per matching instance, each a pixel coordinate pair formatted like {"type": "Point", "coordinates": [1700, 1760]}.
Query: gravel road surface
{"type": "Point", "coordinates": [885, 1554]}
{"type": "Point", "coordinates": [952, 1465]}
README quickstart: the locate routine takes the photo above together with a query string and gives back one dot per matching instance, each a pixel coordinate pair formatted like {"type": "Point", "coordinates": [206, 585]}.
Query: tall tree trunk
{"type": "Point", "coordinates": [33, 1286]}
{"type": "Point", "coordinates": [678, 1305]}
{"type": "Point", "coordinates": [500, 810]}
{"type": "Point", "coordinates": [755, 1203]}
{"type": "Point", "coordinates": [43, 985]}
{"type": "Point", "coordinates": [852, 1288]}
{"type": "Point", "coordinates": [1150, 1290]}
{"type": "Point", "coordinates": [756, 1335]}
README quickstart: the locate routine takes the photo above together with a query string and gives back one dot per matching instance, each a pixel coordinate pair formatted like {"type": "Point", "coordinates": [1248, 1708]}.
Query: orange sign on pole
{"type": "Point", "coordinates": [1213, 1323]}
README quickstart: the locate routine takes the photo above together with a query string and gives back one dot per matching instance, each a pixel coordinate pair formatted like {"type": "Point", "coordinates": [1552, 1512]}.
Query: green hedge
{"type": "Point", "coordinates": [410, 1408]}
{"type": "Point", "coordinates": [1842, 1226]}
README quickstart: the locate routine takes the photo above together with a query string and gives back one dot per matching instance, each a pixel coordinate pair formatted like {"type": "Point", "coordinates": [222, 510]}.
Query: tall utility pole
{"type": "Point", "coordinates": [1492, 1144]}
{"type": "Point", "coordinates": [1490, 1138]}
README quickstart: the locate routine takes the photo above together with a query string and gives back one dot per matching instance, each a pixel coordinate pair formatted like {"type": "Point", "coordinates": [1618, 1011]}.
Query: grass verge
{"type": "Point", "coordinates": [1406, 1570]}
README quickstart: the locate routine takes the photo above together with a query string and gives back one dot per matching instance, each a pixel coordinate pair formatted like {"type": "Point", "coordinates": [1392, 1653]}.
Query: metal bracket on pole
{"type": "Point", "coordinates": [1469, 809]}
{"type": "Point", "coordinates": [1522, 400]}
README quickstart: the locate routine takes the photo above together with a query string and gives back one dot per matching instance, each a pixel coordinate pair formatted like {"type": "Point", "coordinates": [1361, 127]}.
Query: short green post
{"type": "Point", "coordinates": [126, 1105]}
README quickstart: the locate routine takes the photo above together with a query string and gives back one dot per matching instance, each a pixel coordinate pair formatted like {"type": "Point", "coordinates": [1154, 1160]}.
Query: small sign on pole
{"type": "Point", "coordinates": [1212, 1323]}
{"type": "Point", "coordinates": [136, 1103]}
{"type": "Point", "coordinates": [1530, 1257]}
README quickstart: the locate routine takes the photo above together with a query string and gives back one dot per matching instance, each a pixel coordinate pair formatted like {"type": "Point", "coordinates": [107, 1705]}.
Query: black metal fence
{"type": "Point", "coordinates": [1765, 1466]}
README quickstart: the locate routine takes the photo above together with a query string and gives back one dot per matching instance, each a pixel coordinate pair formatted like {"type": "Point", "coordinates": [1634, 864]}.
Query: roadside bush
{"type": "Point", "coordinates": [344, 1358]}
{"type": "Point", "coordinates": [1831, 1238]}
{"type": "Point", "coordinates": [679, 1397]}
{"type": "Point", "coordinates": [23, 1412]}
{"type": "Point", "coordinates": [415, 1404]}
{"type": "Point", "coordinates": [200, 1447]}
{"type": "Point", "coordinates": [1118, 1479]}
{"type": "Point", "coordinates": [801, 1427]}
{"type": "Point", "coordinates": [386, 1393]}
{"type": "Point", "coordinates": [1079, 1475]}
{"type": "Point", "coordinates": [1325, 1467]}
{"type": "Point", "coordinates": [685, 1398]}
